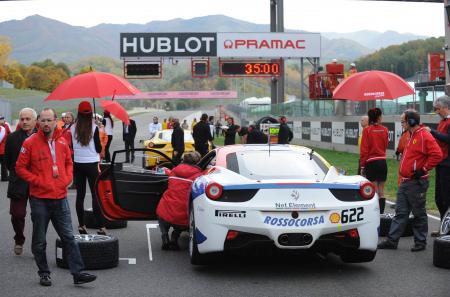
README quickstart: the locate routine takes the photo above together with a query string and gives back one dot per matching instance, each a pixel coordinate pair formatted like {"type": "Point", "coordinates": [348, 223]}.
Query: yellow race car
{"type": "Point", "coordinates": [162, 142]}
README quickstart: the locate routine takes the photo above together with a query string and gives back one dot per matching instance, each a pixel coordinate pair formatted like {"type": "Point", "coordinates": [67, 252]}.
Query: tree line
{"type": "Point", "coordinates": [405, 59]}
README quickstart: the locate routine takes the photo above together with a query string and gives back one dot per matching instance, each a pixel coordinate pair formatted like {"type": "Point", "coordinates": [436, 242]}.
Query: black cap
{"type": "Point", "coordinates": [2, 117]}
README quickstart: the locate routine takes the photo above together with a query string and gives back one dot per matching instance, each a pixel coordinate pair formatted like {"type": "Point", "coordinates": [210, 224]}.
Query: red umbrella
{"type": "Point", "coordinates": [372, 85]}
{"type": "Point", "coordinates": [92, 85]}
{"type": "Point", "coordinates": [116, 110]}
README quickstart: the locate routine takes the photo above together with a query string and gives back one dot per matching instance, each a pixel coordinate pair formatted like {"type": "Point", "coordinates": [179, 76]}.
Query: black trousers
{"type": "Point", "coordinates": [108, 144]}
{"type": "Point", "coordinates": [4, 170]}
{"type": "Point", "coordinates": [177, 159]}
{"type": "Point", "coordinates": [81, 172]}
{"type": "Point", "coordinates": [129, 145]}
{"type": "Point", "coordinates": [202, 149]}
{"type": "Point", "coordinates": [442, 189]}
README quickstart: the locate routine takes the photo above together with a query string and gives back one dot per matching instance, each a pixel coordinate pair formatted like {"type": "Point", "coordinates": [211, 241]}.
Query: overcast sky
{"type": "Point", "coordinates": [310, 15]}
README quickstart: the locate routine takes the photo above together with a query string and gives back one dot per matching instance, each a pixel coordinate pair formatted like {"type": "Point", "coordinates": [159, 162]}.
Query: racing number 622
{"type": "Point", "coordinates": [352, 215]}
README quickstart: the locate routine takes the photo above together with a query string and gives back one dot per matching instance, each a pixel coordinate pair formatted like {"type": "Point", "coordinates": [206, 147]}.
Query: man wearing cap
{"type": "Point", "coordinates": [4, 132]}
{"type": "Point", "coordinates": [285, 134]}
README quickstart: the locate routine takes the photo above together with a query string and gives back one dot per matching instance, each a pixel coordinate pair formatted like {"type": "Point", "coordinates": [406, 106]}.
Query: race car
{"type": "Point", "coordinates": [161, 141]}
{"type": "Point", "coordinates": [283, 196]}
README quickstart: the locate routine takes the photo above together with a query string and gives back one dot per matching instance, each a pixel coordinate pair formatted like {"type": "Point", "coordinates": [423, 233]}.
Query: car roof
{"type": "Point", "coordinates": [222, 152]}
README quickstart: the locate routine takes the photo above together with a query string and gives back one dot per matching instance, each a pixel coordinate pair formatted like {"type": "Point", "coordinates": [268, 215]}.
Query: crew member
{"type": "Point", "coordinates": [442, 135]}
{"type": "Point", "coordinates": [17, 187]}
{"type": "Point", "coordinates": [202, 134]}
{"type": "Point", "coordinates": [373, 148]}
{"type": "Point", "coordinates": [421, 154]}
{"type": "Point", "coordinates": [285, 134]}
{"type": "Point", "coordinates": [45, 163]}
{"type": "Point", "coordinates": [177, 141]}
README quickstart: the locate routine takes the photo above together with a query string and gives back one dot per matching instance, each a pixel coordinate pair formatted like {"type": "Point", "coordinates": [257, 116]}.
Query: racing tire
{"type": "Point", "coordinates": [97, 251]}
{"type": "Point", "coordinates": [444, 229]}
{"type": "Point", "coordinates": [385, 225]}
{"type": "Point", "coordinates": [358, 256]}
{"type": "Point", "coordinates": [441, 252]}
{"type": "Point", "coordinates": [91, 222]}
{"type": "Point", "coordinates": [194, 254]}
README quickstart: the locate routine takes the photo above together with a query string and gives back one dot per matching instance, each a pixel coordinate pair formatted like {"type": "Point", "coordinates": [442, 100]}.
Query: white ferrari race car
{"type": "Point", "coordinates": [282, 196]}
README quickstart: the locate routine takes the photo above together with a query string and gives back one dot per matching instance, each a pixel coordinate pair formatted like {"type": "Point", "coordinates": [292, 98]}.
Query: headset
{"type": "Point", "coordinates": [412, 118]}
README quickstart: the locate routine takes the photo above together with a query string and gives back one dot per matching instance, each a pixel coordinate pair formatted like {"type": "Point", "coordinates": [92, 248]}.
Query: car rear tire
{"type": "Point", "coordinates": [441, 252]}
{"type": "Point", "coordinates": [194, 254]}
{"type": "Point", "coordinates": [97, 251]}
{"type": "Point", "coordinates": [385, 225]}
{"type": "Point", "coordinates": [358, 256]}
{"type": "Point", "coordinates": [91, 222]}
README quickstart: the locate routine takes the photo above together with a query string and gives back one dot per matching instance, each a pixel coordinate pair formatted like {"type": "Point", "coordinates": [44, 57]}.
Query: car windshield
{"type": "Point", "coordinates": [260, 165]}
{"type": "Point", "coordinates": [166, 135]}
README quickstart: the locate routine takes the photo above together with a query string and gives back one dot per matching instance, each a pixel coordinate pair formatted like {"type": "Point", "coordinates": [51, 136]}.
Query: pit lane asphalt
{"type": "Point", "coordinates": [392, 273]}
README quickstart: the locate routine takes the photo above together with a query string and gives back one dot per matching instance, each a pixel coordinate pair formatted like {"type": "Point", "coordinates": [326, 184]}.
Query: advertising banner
{"type": "Point", "coordinates": [306, 130]}
{"type": "Point", "coordinates": [315, 131]}
{"type": "Point", "coordinates": [338, 130]}
{"type": "Point", "coordinates": [265, 45]}
{"type": "Point", "coordinates": [326, 132]}
{"type": "Point", "coordinates": [168, 45]}
{"type": "Point", "coordinates": [351, 133]}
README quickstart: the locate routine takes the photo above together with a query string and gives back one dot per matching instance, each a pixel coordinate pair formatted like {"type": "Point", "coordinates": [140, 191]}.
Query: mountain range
{"type": "Point", "coordinates": [36, 38]}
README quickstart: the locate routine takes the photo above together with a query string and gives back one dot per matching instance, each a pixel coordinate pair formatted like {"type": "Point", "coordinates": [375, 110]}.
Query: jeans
{"type": "Point", "coordinates": [18, 211]}
{"type": "Point", "coordinates": [411, 196]}
{"type": "Point", "coordinates": [58, 212]}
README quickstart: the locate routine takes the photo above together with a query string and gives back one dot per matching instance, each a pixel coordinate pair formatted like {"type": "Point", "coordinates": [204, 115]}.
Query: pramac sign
{"type": "Point", "coordinates": [240, 45]}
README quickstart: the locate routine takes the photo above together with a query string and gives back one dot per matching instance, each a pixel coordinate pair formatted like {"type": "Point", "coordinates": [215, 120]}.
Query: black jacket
{"type": "Point", "coordinates": [178, 140]}
{"type": "Point", "coordinates": [201, 134]}
{"type": "Point", "coordinates": [17, 187]}
{"type": "Point", "coordinates": [230, 134]}
{"type": "Point", "coordinates": [256, 136]}
{"type": "Point", "coordinates": [131, 131]}
{"type": "Point", "coordinates": [285, 134]}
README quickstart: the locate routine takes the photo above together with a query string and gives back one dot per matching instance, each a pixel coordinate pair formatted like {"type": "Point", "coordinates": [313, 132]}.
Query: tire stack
{"type": "Point", "coordinates": [97, 251]}
{"type": "Point", "coordinates": [441, 246]}
{"type": "Point", "coordinates": [91, 222]}
{"type": "Point", "coordinates": [385, 225]}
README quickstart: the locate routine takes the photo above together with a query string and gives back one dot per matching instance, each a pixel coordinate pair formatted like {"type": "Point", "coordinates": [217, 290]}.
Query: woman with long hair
{"type": "Point", "coordinates": [86, 148]}
{"type": "Point", "coordinates": [109, 128]}
{"type": "Point", "coordinates": [373, 148]}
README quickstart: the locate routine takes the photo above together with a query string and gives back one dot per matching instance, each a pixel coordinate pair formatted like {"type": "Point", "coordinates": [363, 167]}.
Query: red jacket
{"type": "Point", "coordinates": [374, 143]}
{"type": "Point", "coordinates": [173, 207]}
{"type": "Point", "coordinates": [3, 142]}
{"type": "Point", "coordinates": [442, 136]}
{"type": "Point", "coordinates": [65, 132]}
{"type": "Point", "coordinates": [421, 153]}
{"type": "Point", "coordinates": [35, 163]}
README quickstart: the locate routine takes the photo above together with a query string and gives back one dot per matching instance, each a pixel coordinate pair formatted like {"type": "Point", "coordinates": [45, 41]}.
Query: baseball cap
{"type": "Point", "coordinates": [84, 107]}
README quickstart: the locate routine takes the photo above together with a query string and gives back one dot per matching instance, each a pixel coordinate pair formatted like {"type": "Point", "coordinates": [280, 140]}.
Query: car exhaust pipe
{"type": "Point", "coordinates": [283, 239]}
{"type": "Point", "coordinates": [307, 238]}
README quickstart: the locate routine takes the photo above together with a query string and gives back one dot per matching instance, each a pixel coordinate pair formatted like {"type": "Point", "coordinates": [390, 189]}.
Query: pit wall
{"type": "Point", "coordinates": [341, 133]}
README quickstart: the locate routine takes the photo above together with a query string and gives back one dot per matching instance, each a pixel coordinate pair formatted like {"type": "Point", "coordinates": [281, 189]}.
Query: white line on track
{"type": "Point", "coordinates": [430, 216]}
{"type": "Point", "coordinates": [131, 261]}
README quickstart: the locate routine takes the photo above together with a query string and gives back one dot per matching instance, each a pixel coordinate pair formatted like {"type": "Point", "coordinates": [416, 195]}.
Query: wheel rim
{"type": "Point", "coordinates": [445, 225]}
{"type": "Point", "coordinates": [91, 237]}
{"type": "Point", "coordinates": [191, 232]}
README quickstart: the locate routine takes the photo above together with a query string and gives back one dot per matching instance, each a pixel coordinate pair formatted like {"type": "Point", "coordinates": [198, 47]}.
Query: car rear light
{"type": "Point", "coordinates": [353, 233]}
{"type": "Point", "coordinates": [232, 234]}
{"type": "Point", "coordinates": [367, 190]}
{"type": "Point", "coordinates": [214, 191]}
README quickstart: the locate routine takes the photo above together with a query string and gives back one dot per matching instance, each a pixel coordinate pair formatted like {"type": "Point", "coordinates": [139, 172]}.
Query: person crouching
{"type": "Point", "coordinates": [172, 210]}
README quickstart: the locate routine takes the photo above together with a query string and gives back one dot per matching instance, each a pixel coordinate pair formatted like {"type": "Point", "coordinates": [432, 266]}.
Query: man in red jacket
{"type": "Point", "coordinates": [442, 134]}
{"type": "Point", "coordinates": [46, 164]}
{"type": "Point", "coordinates": [421, 154]}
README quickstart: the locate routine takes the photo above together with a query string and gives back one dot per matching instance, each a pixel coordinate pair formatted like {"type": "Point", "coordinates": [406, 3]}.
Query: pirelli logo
{"type": "Point", "coordinates": [231, 214]}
